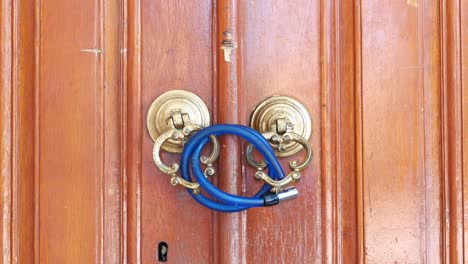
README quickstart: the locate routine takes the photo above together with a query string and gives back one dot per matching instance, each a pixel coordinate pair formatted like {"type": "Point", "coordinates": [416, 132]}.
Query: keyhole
{"type": "Point", "coordinates": [162, 251]}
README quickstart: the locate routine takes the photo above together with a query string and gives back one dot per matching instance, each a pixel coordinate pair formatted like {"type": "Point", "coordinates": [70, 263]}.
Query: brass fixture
{"type": "Point", "coordinates": [287, 125]}
{"type": "Point", "coordinates": [172, 110]}
{"type": "Point", "coordinates": [281, 114]}
{"type": "Point", "coordinates": [172, 118]}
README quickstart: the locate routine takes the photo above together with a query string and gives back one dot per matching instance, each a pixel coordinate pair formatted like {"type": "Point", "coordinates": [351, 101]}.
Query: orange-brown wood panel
{"type": "Point", "coordinates": [385, 83]}
{"type": "Point", "coordinates": [279, 54]}
{"type": "Point", "coordinates": [400, 189]}
{"type": "Point", "coordinates": [176, 53]}
{"type": "Point", "coordinates": [229, 240]}
{"type": "Point", "coordinates": [395, 191]}
{"type": "Point", "coordinates": [392, 139]}
{"type": "Point", "coordinates": [70, 144]}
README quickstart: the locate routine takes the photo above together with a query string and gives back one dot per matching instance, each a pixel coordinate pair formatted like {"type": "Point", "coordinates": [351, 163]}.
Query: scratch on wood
{"type": "Point", "coordinates": [95, 51]}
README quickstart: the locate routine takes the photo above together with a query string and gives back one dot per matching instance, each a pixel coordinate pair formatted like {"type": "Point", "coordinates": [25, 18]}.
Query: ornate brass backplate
{"type": "Point", "coordinates": [172, 110]}
{"type": "Point", "coordinates": [280, 115]}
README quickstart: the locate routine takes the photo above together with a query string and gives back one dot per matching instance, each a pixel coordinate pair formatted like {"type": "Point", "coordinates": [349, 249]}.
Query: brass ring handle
{"type": "Point", "coordinates": [285, 138]}
{"type": "Point", "coordinates": [278, 142]}
{"type": "Point", "coordinates": [172, 118]}
{"type": "Point", "coordinates": [259, 165]}
{"type": "Point", "coordinates": [182, 135]}
{"type": "Point", "coordinates": [208, 161]}
{"type": "Point", "coordinates": [278, 186]}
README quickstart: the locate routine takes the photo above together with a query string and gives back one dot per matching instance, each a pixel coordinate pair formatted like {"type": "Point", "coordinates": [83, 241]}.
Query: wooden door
{"type": "Point", "coordinates": [384, 82]}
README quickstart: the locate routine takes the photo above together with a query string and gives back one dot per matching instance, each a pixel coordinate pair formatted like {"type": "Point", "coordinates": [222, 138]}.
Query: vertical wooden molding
{"type": "Point", "coordinates": [330, 92]}
{"type": "Point", "coordinates": [214, 248]}
{"type": "Point", "coordinates": [430, 132]}
{"type": "Point", "coordinates": [23, 127]}
{"type": "Point", "coordinates": [341, 124]}
{"type": "Point", "coordinates": [348, 127]}
{"type": "Point", "coordinates": [453, 239]}
{"type": "Point", "coordinates": [17, 130]}
{"type": "Point", "coordinates": [110, 41]}
{"type": "Point", "coordinates": [231, 227]}
{"type": "Point", "coordinates": [134, 133]}
{"type": "Point", "coordinates": [361, 240]}
{"type": "Point", "coordinates": [124, 238]}
{"type": "Point", "coordinates": [37, 84]}
{"type": "Point", "coordinates": [101, 144]}
{"type": "Point", "coordinates": [6, 127]}
{"type": "Point", "coordinates": [15, 145]}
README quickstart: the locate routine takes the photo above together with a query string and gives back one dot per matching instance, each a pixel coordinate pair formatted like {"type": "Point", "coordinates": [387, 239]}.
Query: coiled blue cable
{"type": "Point", "coordinates": [222, 201]}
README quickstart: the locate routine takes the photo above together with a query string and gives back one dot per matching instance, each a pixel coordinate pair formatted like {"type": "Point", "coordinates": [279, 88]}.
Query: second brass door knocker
{"type": "Point", "coordinates": [178, 121]}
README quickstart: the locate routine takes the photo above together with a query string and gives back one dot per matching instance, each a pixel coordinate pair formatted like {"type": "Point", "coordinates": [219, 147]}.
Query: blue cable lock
{"type": "Point", "coordinates": [222, 201]}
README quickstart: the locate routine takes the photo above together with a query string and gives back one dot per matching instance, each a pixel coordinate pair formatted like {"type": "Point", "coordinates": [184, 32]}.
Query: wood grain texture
{"type": "Point", "coordinates": [37, 68]}
{"type": "Point", "coordinates": [111, 114]}
{"type": "Point", "coordinates": [348, 236]}
{"type": "Point", "coordinates": [383, 81]}
{"type": "Point", "coordinates": [79, 132]}
{"type": "Point", "coordinates": [133, 131]}
{"type": "Point", "coordinates": [6, 129]}
{"type": "Point", "coordinates": [452, 133]}
{"type": "Point", "coordinates": [23, 186]}
{"type": "Point", "coordinates": [124, 102]}
{"type": "Point", "coordinates": [16, 126]}
{"type": "Point", "coordinates": [70, 136]}
{"type": "Point", "coordinates": [398, 188]}
{"type": "Point", "coordinates": [358, 108]}
{"type": "Point", "coordinates": [430, 80]}
{"type": "Point", "coordinates": [464, 68]}
{"type": "Point", "coordinates": [415, 65]}
{"type": "Point", "coordinates": [176, 53]}
{"type": "Point", "coordinates": [280, 55]}
{"type": "Point", "coordinates": [231, 228]}
{"type": "Point", "coordinates": [329, 125]}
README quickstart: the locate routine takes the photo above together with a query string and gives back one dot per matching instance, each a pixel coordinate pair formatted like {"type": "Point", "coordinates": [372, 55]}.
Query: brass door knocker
{"type": "Point", "coordinates": [287, 125]}
{"type": "Point", "coordinates": [172, 118]}
{"type": "Point", "coordinates": [179, 122]}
